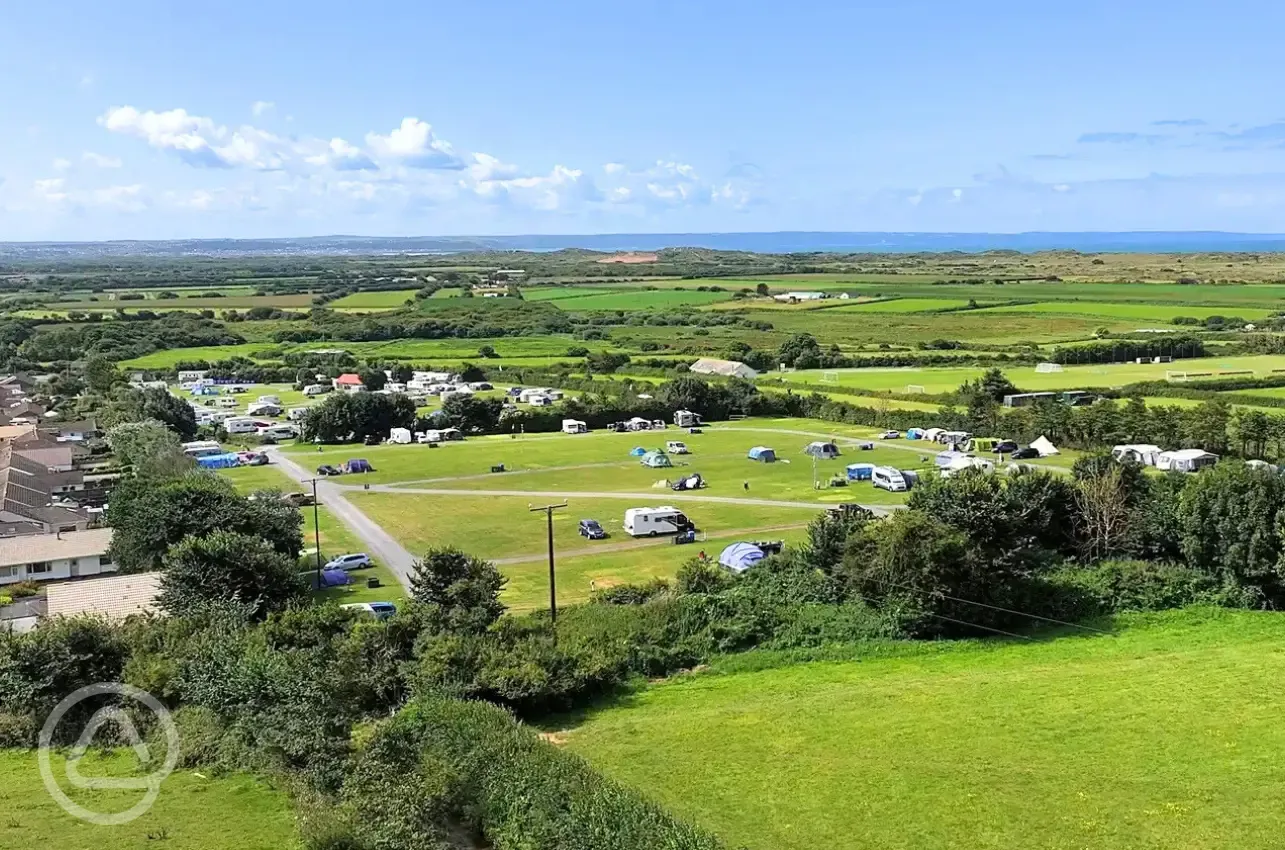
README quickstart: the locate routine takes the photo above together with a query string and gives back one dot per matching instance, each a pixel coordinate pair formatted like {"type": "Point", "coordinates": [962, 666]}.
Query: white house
{"type": "Point", "coordinates": [349, 383]}
{"type": "Point", "coordinates": [47, 557]}
{"type": "Point", "coordinates": [798, 297]}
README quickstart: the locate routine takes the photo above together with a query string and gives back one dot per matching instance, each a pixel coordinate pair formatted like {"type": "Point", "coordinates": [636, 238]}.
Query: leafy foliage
{"type": "Point", "coordinates": [461, 591]}
{"type": "Point", "coordinates": [354, 416]}
{"type": "Point", "coordinates": [226, 568]}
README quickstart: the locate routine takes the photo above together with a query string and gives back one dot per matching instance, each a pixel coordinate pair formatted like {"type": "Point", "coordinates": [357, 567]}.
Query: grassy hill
{"type": "Point", "coordinates": [1166, 735]}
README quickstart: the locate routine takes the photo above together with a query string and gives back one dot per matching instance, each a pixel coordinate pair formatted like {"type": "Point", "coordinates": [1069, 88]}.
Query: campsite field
{"type": "Point", "coordinates": [903, 305]}
{"type": "Point", "coordinates": [642, 299]}
{"type": "Point", "coordinates": [1140, 312]}
{"type": "Point", "coordinates": [192, 812]}
{"type": "Point", "coordinates": [387, 300]}
{"type": "Point", "coordinates": [1163, 736]}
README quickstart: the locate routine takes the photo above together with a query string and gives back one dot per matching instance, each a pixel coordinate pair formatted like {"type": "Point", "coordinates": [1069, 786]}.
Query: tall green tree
{"type": "Point", "coordinates": [226, 568]}
{"type": "Point", "coordinates": [149, 448]}
{"type": "Point", "coordinates": [463, 592]}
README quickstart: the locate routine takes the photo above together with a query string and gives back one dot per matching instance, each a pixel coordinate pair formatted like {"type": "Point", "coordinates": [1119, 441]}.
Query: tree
{"type": "Point", "coordinates": [355, 416]}
{"type": "Point", "coordinates": [995, 384]}
{"type": "Point", "coordinates": [373, 379]}
{"type": "Point", "coordinates": [135, 405]}
{"type": "Point", "coordinates": [1230, 522]}
{"type": "Point", "coordinates": [762, 289]}
{"type": "Point", "coordinates": [1105, 514]}
{"type": "Point", "coordinates": [402, 373]}
{"type": "Point", "coordinates": [487, 352]}
{"type": "Point", "coordinates": [1252, 430]}
{"type": "Point", "coordinates": [802, 351]}
{"type": "Point", "coordinates": [149, 517]}
{"type": "Point", "coordinates": [151, 449]}
{"type": "Point", "coordinates": [828, 535]}
{"type": "Point", "coordinates": [472, 414]}
{"type": "Point", "coordinates": [464, 591]}
{"type": "Point", "coordinates": [222, 568]}
{"type": "Point", "coordinates": [101, 374]}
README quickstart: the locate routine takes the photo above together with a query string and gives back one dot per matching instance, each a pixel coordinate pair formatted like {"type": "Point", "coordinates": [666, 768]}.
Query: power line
{"type": "Point", "coordinates": [1005, 610]}
{"type": "Point", "coordinates": [960, 622]}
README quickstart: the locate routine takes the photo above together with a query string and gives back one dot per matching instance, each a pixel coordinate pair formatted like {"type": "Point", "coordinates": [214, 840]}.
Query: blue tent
{"type": "Point", "coordinates": [335, 578]}
{"type": "Point", "coordinates": [763, 454]}
{"type": "Point", "coordinates": [205, 390]}
{"type": "Point", "coordinates": [739, 557]}
{"type": "Point", "coordinates": [861, 471]}
{"type": "Point", "coordinates": [915, 434]}
{"type": "Point", "coordinates": [223, 461]}
{"type": "Point", "coordinates": [638, 451]}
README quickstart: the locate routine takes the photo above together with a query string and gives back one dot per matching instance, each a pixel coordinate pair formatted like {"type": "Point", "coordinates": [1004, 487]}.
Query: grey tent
{"type": "Point", "coordinates": [822, 449]}
{"type": "Point", "coordinates": [762, 454]}
{"type": "Point", "coordinates": [739, 557]}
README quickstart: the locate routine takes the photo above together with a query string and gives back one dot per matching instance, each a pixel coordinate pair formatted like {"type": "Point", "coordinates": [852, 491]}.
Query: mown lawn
{"type": "Point", "coordinates": [191, 813]}
{"type": "Point", "coordinates": [1166, 736]}
{"type": "Point", "coordinates": [389, 300]}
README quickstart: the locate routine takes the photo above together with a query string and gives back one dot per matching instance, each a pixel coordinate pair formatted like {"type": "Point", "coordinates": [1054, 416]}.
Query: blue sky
{"type": "Point", "coordinates": [165, 120]}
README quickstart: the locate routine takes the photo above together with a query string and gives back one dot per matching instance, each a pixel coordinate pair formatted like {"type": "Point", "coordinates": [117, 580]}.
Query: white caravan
{"type": "Point", "coordinates": [241, 425]}
{"type": "Point", "coordinates": [574, 426]}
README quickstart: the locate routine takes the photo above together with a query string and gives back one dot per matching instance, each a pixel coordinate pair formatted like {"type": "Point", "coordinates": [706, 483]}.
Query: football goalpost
{"type": "Point", "coordinates": [829, 377]}
{"type": "Point", "coordinates": [1044, 368]}
{"type": "Point", "coordinates": [1175, 376]}
{"type": "Point", "coordinates": [917, 389]}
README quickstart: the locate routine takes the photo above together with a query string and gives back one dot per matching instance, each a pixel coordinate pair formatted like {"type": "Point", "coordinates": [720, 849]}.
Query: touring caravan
{"type": "Point", "coordinates": [1185, 460]}
{"type": "Point", "coordinates": [227, 402]}
{"type": "Point", "coordinates": [887, 478]}
{"type": "Point", "coordinates": [400, 436]}
{"type": "Point", "coordinates": [687, 419]}
{"type": "Point", "coordinates": [270, 399]}
{"type": "Point", "coordinates": [296, 414]}
{"type": "Point", "coordinates": [1143, 453]}
{"type": "Point", "coordinates": [651, 522]}
{"type": "Point", "coordinates": [574, 426]}
{"type": "Point", "coordinates": [202, 448]}
{"type": "Point", "coordinates": [263, 408]}
{"type": "Point", "coordinates": [316, 389]}
{"type": "Point", "coordinates": [282, 431]}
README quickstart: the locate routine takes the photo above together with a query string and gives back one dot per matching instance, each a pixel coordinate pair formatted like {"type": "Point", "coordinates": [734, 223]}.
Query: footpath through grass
{"type": "Point", "coordinates": [1167, 735]}
{"type": "Point", "coordinates": [191, 813]}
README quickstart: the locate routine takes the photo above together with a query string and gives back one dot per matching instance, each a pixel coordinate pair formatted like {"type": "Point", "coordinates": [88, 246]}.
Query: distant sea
{"type": "Point", "coordinates": [785, 242]}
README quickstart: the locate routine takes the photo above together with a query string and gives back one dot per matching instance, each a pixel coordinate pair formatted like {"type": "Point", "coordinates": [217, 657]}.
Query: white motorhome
{"type": "Point", "coordinates": [316, 389]}
{"type": "Point", "coordinates": [282, 431]}
{"type": "Point", "coordinates": [887, 478]}
{"type": "Point", "coordinates": [574, 426]}
{"type": "Point", "coordinates": [296, 414]}
{"type": "Point", "coordinates": [651, 522]}
{"type": "Point", "coordinates": [227, 402]}
{"type": "Point", "coordinates": [241, 425]}
{"type": "Point", "coordinates": [687, 419]}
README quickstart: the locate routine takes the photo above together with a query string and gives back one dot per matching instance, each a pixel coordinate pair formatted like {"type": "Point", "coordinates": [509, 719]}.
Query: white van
{"type": "Point", "coordinates": [241, 425]}
{"type": "Point", "coordinates": [677, 447]}
{"type": "Point", "coordinates": [887, 478]}
{"type": "Point", "coordinates": [226, 402]}
{"type": "Point", "coordinates": [650, 522]}
{"type": "Point", "coordinates": [297, 413]}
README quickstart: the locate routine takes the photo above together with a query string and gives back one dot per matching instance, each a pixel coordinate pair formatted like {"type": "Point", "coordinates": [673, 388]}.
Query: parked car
{"type": "Point", "coordinates": [353, 561]}
{"type": "Point", "coordinates": [890, 435]}
{"type": "Point", "coordinates": [1005, 446]}
{"type": "Point", "coordinates": [677, 447]}
{"type": "Point", "coordinates": [327, 469]}
{"type": "Point", "coordinates": [592, 529]}
{"type": "Point", "coordinates": [1025, 454]}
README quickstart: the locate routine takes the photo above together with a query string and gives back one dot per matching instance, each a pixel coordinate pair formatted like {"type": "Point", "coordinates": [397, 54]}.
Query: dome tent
{"type": "Point", "coordinates": [739, 557]}
{"type": "Point", "coordinates": [762, 454]}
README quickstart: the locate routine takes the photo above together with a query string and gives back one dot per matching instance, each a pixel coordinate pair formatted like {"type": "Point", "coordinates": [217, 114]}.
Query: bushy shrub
{"type": "Point", "coordinates": [1115, 586]}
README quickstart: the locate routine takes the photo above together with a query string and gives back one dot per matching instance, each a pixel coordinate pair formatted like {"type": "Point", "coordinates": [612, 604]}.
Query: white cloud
{"type": "Point", "coordinates": [614, 167]}
{"type": "Point", "coordinates": [486, 167]}
{"type": "Point", "coordinates": [414, 144]}
{"type": "Point", "coordinates": [553, 191]}
{"type": "Point", "coordinates": [52, 190]}
{"type": "Point", "coordinates": [342, 155]}
{"type": "Point", "coordinates": [260, 107]}
{"type": "Point", "coordinates": [61, 164]}
{"type": "Point", "coordinates": [198, 140]}
{"type": "Point", "coordinates": [100, 161]}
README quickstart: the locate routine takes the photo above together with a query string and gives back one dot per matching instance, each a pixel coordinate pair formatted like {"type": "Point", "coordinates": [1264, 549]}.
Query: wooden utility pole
{"type": "Point", "coordinates": [553, 585]}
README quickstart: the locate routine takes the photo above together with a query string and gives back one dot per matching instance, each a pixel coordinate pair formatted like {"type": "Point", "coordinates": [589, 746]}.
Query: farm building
{"type": "Point", "coordinates": [1027, 399]}
{"type": "Point", "coordinates": [799, 297]}
{"type": "Point", "coordinates": [725, 368]}
{"type": "Point", "coordinates": [1186, 460]}
{"type": "Point", "coordinates": [762, 454]}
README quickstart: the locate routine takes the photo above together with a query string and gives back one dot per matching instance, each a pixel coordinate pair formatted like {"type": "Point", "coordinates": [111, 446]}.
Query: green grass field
{"type": "Point", "coordinates": [559, 293]}
{"type": "Point", "coordinates": [942, 380]}
{"type": "Point", "coordinates": [904, 305]}
{"type": "Point", "coordinates": [389, 300]}
{"type": "Point", "coordinates": [191, 812]}
{"type": "Point", "coordinates": [1141, 312]}
{"type": "Point", "coordinates": [642, 299]}
{"type": "Point", "coordinates": [1163, 737]}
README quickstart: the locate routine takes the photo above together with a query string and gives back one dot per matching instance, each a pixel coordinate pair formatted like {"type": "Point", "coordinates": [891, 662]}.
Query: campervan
{"type": "Point", "coordinates": [297, 413]}
{"type": "Point", "coordinates": [202, 448]}
{"type": "Point", "coordinates": [226, 402]}
{"type": "Point", "coordinates": [574, 426]}
{"type": "Point", "coordinates": [241, 425]}
{"type": "Point", "coordinates": [651, 522]}
{"type": "Point", "coordinates": [282, 431]}
{"type": "Point", "coordinates": [687, 419]}
{"type": "Point", "coordinates": [677, 447]}
{"type": "Point", "coordinates": [887, 478]}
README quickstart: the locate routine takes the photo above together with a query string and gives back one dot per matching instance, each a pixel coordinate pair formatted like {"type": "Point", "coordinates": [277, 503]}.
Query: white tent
{"type": "Point", "coordinates": [1186, 460]}
{"type": "Point", "coordinates": [1143, 453]}
{"type": "Point", "coordinates": [1044, 447]}
{"type": "Point", "coordinates": [401, 436]}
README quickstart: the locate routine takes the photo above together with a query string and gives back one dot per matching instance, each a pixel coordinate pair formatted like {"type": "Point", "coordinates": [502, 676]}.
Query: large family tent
{"type": "Point", "coordinates": [223, 461]}
{"type": "Point", "coordinates": [914, 433]}
{"type": "Point", "coordinates": [822, 449]}
{"type": "Point", "coordinates": [655, 460]}
{"type": "Point", "coordinates": [1146, 454]}
{"type": "Point", "coordinates": [1044, 447]}
{"type": "Point", "coordinates": [739, 557]}
{"type": "Point", "coordinates": [1186, 460]}
{"type": "Point", "coordinates": [762, 454]}
{"type": "Point", "coordinates": [983, 444]}
{"type": "Point", "coordinates": [860, 471]}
